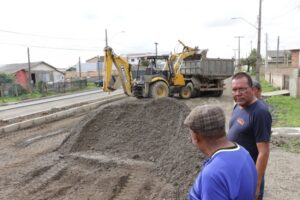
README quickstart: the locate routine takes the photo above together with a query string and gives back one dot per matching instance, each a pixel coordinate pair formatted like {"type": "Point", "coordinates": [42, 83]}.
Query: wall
{"type": "Point", "coordinates": [47, 74]}
{"type": "Point", "coordinates": [295, 56]}
{"type": "Point", "coordinates": [89, 74]}
{"type": "Point", "coordinates": [58, 77]}
{"type": "Point", "coordinates": [275, 76]}
{"type": "Point", "coordinates": [21, 78]}
{"type": "Point", "coordinates": [298, 89]}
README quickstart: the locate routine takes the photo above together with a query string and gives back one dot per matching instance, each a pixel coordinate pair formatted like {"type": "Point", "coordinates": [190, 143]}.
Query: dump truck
{"type": "Point", "coordinates": [206, 75]}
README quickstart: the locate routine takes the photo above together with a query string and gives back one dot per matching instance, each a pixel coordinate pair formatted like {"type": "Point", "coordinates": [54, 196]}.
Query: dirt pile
{"type": "Point", "coordinates": [142, 130]}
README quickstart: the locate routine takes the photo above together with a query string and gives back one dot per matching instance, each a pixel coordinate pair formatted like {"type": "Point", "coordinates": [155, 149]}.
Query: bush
{"type": "Point", "coordinates": [42, 87]}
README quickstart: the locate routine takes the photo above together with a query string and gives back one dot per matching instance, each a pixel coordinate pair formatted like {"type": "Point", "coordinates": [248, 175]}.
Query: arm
{"type": "Point", "coordinates": [261, 163]}
{"type": "Point", "coordinates": [123, 68]}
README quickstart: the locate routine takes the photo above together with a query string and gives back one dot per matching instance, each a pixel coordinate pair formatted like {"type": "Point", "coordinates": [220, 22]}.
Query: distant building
{"type": "Point", "coordinates": [92, 69]}
{"type": "Point", "coordinates": [40, 71]}
{"type": "Point", "coordinates": [280, 57]}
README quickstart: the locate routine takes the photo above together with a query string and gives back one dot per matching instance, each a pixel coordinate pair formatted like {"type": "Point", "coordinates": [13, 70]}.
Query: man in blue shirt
{"type": "Point", "coordinates": [250, 125]}
{"type": "Point", "coordinates": [229, 172]}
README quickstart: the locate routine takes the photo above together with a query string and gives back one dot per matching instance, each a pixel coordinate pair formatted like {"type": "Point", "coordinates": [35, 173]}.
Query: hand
{"type": "Point", "coordinates": [256, 196]}
{"type": "Point", "coordinates": [257, 192]}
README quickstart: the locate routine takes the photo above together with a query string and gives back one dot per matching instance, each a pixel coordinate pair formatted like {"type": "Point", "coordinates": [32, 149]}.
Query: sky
{"type": "Point", "coordinates": [60, 32]}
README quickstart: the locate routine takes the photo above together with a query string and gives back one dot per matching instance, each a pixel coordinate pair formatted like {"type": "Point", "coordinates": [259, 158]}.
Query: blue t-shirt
{"type": "Point", "coordinates": [228, 174]}
{"type": "Point", "coordinates": [250, 125]}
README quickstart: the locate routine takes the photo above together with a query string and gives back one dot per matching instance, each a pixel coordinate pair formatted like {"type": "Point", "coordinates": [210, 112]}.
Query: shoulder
{"type": "Point", "coordinates": [261, 104]}
{"type": "Point", "coordinates": [259, 107]}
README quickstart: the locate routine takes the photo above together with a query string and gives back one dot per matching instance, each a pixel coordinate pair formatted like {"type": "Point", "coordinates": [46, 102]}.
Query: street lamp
{"type": "Point", "coordinates": [241, 18]}
{"type": "Point", "coordinates": [258, 43]}
{"type": "Point", "coordinates": [106, 38]}
{"type": "Point", "coordinates": [258, 28]}
{"type": "Point", "coordinates": [155, 52]}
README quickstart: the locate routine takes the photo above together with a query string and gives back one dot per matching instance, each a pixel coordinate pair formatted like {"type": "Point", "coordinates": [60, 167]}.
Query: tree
{"type": "Point", "coordinates": [71, 69]}
{"type": "Point", "coordinates": [6, 78]}
{"type": "Point", "coordinates": [250, 61]}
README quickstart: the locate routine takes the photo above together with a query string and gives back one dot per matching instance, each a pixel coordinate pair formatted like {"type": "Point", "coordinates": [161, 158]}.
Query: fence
{"type": "Point", "coordinates": [11, 89]}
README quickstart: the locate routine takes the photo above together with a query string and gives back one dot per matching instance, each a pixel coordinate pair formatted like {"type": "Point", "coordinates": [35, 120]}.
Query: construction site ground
{"type": "Point", "coordinates": [130, 149]}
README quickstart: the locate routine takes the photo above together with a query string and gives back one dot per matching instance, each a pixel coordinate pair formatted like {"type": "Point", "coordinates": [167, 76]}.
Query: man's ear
{"type": "Point", "coordinates": [195, 137]}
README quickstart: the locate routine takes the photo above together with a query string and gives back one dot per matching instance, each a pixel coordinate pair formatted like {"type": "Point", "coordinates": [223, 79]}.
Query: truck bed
{"type": "Point", "coordinates": [210, 67]}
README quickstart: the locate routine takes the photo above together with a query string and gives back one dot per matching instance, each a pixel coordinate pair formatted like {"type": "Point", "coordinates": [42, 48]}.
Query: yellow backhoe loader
{"type": "Point", "coordinates": [152, 84]}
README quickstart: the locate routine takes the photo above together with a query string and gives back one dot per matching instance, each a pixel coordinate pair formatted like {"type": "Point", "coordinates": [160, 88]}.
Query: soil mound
{"type": "Point", "coordinates": [149, 130]}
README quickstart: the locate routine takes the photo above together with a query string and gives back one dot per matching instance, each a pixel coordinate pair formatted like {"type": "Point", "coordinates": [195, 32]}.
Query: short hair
{"type": "Point", "coordinates": [256, 84]}
{"type": "Point", "coordinates": [242, 75]}
{"type": "Point", "coordinates": [206, 120]}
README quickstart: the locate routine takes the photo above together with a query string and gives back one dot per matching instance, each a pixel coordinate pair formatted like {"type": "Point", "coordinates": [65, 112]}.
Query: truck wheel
{"type": "Point", "coordinates": [159, 89]}
{"type": "Point", "coordinates": [185, 92]}
{"type": "Point", "coordinates": [217, 93]}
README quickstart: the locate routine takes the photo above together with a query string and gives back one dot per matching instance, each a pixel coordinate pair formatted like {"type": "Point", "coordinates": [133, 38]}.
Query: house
{"type": "Point", "coordinates": [279, 57]}
{"type": "Point", "coordinates": [286, 73]}
{"type": "Point", "coordinates": [40, 71]}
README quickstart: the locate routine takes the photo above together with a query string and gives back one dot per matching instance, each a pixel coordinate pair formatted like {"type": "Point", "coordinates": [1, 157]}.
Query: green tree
{"type": "Point", "coordinates": [6, 78]}
{"type": "Point", "coordinates": [250, 61]}
{"type": "Point", "coordinates": [71, 69]}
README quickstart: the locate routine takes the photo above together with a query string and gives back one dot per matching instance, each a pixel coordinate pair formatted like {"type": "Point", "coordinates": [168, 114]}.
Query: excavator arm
{"type": "Point", "coordinates": [176, 59]}
{"type": "Point", "coordinates": [124, 72]}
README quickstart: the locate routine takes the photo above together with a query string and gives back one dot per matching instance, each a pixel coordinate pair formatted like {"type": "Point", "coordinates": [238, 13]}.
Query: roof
{"type": "Point", "coordinates": [281, 53]}
{"type": "Point", "coordinates": [13, 68]}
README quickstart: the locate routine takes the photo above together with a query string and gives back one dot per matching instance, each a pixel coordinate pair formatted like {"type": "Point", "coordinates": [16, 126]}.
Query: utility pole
{"type": "Point", "coordinates": [239, 52]}
{"type": "Point", "coordinates": [258, 43]}
{"type": "Point", "coordinates": [79, 66]}
{"type": "Point", "coordinates": [106, 43]}
{"type": "Point", "coordinates": [277, 52]}
{"type": "Point", "coordinates": [155, 52]}
{"type": "Point", "coordinates": [98, 68]}
{"type": "Point", "coordinates": [29, 71]}
{"type": "Point", "coordinates": [267, 47]}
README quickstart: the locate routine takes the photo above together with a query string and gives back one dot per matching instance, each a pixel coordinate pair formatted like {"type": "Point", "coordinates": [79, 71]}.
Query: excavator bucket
{"type": "Point", "coordinates": [114, 83]}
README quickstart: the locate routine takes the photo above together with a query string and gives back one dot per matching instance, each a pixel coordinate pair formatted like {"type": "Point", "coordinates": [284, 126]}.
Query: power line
{"type": "Point", "coordinates": [46, 36]}
{"type": "Point", "coordinates": [48, 47]}
{"type": "Point", "coordinates": [286, 12]}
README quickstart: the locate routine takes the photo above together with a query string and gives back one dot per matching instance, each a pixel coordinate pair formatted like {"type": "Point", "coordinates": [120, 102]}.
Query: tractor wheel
{"type": "Point", "coordinates": [159, 89]}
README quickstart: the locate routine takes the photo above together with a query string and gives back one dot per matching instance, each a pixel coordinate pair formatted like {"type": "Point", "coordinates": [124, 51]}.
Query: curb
{"type": "Point", "coordinates": [58, 115]}
{"type": "Point", "coordinates": [286, 131]}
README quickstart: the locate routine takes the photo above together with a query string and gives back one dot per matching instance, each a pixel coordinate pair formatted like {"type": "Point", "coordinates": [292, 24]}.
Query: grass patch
{"type": "Point", "coordinates": [285, 111]}
{"type": "Point", "coordinates": [23, 97]}
{"type": "Point", "coordinates": [36, 95]}
{"type": "Point", "coordinates": [266, 87]}
{"type": "Point", "coordinates": [291, 148]}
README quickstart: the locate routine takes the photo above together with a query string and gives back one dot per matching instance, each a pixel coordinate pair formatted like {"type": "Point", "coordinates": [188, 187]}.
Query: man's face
{"type": "Point", "coordinates": [257, 92]}
{"type": "Point", "coordinates": [241, 91]}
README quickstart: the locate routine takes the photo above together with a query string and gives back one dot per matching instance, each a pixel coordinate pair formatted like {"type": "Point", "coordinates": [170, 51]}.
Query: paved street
{"type": "Point", "coordinates": [42, 105]}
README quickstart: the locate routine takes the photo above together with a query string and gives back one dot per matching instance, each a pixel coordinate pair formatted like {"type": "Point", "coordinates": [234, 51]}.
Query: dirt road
{"type": "Point", "coordinates": [132, 152]}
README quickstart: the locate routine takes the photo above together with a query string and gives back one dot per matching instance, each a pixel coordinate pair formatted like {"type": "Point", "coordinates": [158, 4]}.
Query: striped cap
{"type": "Point", "coordinates": [206, 120]}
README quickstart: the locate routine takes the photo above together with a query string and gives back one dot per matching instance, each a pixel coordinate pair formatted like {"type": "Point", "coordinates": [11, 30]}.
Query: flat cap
{"type": "Point", "coordinates": [206, 120]}
{"type": "Point", "coordinates": [256, 84]}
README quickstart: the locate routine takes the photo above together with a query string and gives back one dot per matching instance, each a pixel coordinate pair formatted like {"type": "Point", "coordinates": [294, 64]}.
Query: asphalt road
{"type": "Point", "coordinates": [46, 104]}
